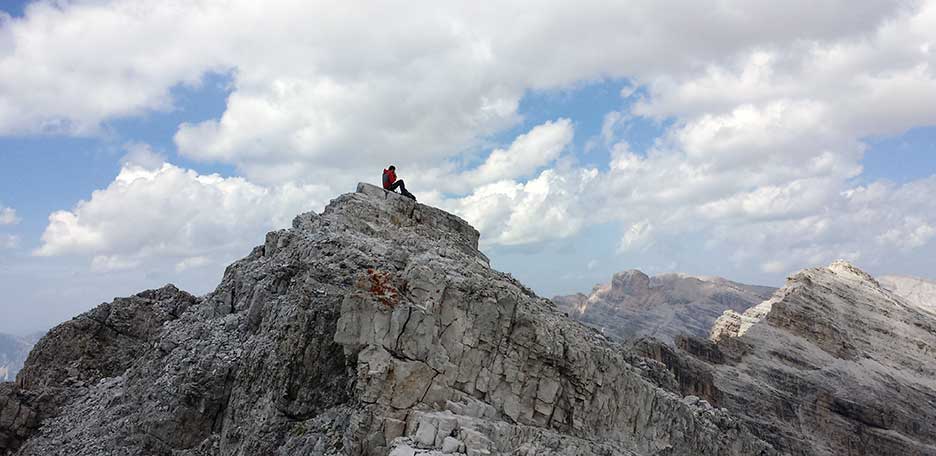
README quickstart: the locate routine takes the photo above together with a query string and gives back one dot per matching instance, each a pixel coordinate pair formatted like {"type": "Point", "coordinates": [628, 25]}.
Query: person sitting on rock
{"type": "Point", "coordinates": [391, 183]}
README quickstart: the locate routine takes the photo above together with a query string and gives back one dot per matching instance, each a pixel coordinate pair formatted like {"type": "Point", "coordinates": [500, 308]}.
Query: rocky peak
{"type": "Point", "coordinates": [830, 323]}
{"type": "Point", "coordinates": [832, 364]}
{"type": "Point", "coordinates": [629, 282]}
{"type": "Point", "coordinates": [378, 328]}
{"type": "Point", "coordinates": [373, 328]}
{"type": "Point", "coordinates": [846, 269]}
{"type": "Point", "coordinates": [371, 206]}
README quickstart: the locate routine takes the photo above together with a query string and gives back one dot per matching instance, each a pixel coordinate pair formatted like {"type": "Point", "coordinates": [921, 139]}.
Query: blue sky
{"type": "Point", "coordinates": [637, 145]}
{"type": "Point", "coordinates": [901, 158]}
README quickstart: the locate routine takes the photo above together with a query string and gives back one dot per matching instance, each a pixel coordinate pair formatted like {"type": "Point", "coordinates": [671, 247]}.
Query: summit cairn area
{"type": "Point", "coordinates": [373, 328]}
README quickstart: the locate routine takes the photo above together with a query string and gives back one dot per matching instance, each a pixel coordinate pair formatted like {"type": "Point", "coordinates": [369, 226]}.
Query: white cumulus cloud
{"type": "Point", "coordinates": [320, 85]}
{"type": "Point", "coordinates": [528, 152]}
{"type": "Point", "coordinates": [638, 236]}
{"type": "Point", "coordinates": [546, 207]}
{"type": "Point", "coordinates": [764, 120]}
{"type": "Point", "coordinates": [764, 147]}
{"type": "Point", "coordinates": [172, 214]}
{"type": "Point", "coordinates": [142, 155]}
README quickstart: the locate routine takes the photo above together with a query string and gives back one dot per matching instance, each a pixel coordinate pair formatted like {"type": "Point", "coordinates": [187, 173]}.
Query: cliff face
{"type": "Point", "coordinates": [664, 306]}
{"type": "Point", "coordinates": [374, 328]}
{"type": "Point", "coordinates": [832, 364]}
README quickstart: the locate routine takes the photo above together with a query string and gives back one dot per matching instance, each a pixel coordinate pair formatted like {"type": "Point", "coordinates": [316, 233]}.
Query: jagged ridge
{"type": "Point", "coordinates": [832, 364]}
{"type": "Point", "coordinates": [373, 328]}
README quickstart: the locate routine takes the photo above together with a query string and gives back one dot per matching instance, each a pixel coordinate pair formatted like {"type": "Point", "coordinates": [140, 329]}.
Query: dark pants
{"type": "Point", "coordinates": [398, 184]}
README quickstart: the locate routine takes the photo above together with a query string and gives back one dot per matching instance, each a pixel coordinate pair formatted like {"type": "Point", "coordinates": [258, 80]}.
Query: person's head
{"type": "Point", "coordinates": [392, 168]}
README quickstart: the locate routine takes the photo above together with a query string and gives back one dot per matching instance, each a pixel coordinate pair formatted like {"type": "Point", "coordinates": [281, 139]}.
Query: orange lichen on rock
{"type": "Point", "coordinates": [378, 283]}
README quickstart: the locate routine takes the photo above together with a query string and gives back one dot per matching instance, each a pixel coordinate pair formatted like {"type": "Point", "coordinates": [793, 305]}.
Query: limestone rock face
{"type": "Point", "coordinates": [374, 328]}
{"type": "Point", "coordinates": [635, 305]}
{"type": "Point", "coordinates": [733, 324]}
{"type": "Point", "coordinates": [832, 364]}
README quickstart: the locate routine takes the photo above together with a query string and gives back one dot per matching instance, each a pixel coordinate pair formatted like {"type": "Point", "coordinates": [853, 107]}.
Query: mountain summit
{"type": "Point", "coordinates": [378, 328]}
{"type": "Point", "coordinates": [374, 328]}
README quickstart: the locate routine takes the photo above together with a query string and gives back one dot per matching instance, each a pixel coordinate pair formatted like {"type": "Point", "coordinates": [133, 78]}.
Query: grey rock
{"type": "Point", "coordinates": [665, 306]}
{"type": "Point", "coordinates": [832, 364]}
{"type": "Point", "coordinates": [103, 342]}
{"type": "Point", "coordinates": [374, 328]}
{"type": "Point", "coordinates": [451, 445]}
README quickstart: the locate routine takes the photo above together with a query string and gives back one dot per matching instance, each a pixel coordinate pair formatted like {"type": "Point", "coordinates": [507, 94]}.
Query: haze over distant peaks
{"type": "Point", "coordinates": [921, 292]}
{"type": "Point", "coordinates": [13, 352]}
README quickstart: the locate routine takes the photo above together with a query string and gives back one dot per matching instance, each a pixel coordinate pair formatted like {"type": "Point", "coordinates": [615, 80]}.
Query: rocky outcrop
{"type": "Point", "coordinates": [635, 305]}
{"type": "Point", "coordinates": [374, 328]}
{"type": "Point", "coordinates": [832, 364]}
{"type": "Point", "coordinates": [103, 342]}
{"type": "Point", "coordinates": [74, 356]}
{"type": "Point", "coordinates": [733, 324]}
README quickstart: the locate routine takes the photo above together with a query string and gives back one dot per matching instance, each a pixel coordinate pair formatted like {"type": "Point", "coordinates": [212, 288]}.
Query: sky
{"type": "Point", "coordinates": [150, 142]}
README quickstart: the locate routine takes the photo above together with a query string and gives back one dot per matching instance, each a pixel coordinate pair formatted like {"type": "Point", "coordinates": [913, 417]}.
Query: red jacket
{"type": "Point", "coordinates": [389, 177]}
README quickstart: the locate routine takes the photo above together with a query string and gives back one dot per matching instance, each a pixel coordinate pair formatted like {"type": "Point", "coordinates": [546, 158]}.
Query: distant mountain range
{"type": "Point", "coordinates": [835, 363]}
{"type": "Point", "coordinates": [635, 305]}
{"type": "Point", "coordinates": [664, 306]}
{"type": "Point", "coordinates": [13, 352]}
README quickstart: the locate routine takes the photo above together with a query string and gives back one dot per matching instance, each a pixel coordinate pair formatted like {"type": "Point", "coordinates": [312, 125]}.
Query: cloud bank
{"type": "Point", "coordinates": [172, 214]}
{"type": "Point", "coordinates": [767, 108]}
